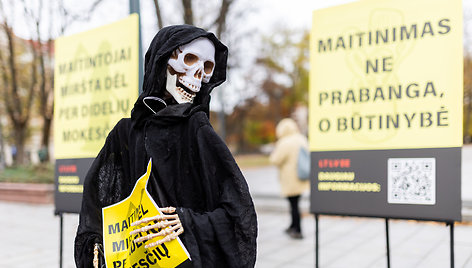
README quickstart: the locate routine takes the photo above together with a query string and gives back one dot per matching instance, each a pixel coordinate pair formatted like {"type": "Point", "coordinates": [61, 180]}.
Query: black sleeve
{"type": "Point", "coordinates": [231, 229]}
{"type": "Point", "coordinates": [102, 187]}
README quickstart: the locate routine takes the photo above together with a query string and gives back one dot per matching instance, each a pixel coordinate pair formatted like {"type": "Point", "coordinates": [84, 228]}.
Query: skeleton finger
{"type": "Point", "coordinates": [167, 210]}
{"type": "Point", "coordinates": [163, 232]}
{"type": "Point", "coordinates": [168, 238]}
{"type": "Point", "coordinates": [159, 225]}
{"type": "Point", "coordinates": [155, 218]}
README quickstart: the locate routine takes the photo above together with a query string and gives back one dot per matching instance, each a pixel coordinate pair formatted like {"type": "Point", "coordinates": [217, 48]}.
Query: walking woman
{"type": "Point", "coordinates": [285, 157]}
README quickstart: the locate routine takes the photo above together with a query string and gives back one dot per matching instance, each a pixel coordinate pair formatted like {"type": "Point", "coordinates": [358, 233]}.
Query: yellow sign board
{"type": "Point", "coordinates": [386, 74]}
{"type": "Point", "coordinates": [95, 84]}
{"type": "Point", "coordinates": [120, 250]}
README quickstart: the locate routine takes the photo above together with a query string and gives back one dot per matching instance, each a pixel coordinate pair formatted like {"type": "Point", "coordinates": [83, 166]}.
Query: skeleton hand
{"type": "Point", "coordinates": [95, 256]}
{"type": "Point", "coordinates": [167, 223]}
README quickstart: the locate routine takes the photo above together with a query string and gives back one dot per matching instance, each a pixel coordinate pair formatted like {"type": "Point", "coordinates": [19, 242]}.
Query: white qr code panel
{"type": "Point", "coordinates": [412, 181]}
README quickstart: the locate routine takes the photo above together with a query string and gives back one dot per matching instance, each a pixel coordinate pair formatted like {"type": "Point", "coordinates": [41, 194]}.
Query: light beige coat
{"type": "Point", "coordinates": [285, 157]}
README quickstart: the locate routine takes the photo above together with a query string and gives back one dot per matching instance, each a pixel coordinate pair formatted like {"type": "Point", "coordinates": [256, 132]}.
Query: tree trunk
{"type": "Point", "coordinates": [46, 133]}
{"type": "Point", "coordinates": [221, 23]}
{"type": "Point", "coordinates": [468, 111]}
{"type": "Point", "coordinates": [2, 150]}
{"type": "Point", "coordinates": [221, 20]}
{"type": "Point", "coordinates": [160, 22]}
{"type": "Point", "coordinates": [20, 138]}
{"type": "Point", "coordinates": [18, 107]}
{"type": "Point", "coordinates": [44, 93]}
{"type": "Point", "coordinates": [242, 143]}
{"type": "Point", "coordinates": [467, 99]}
{"type": "Point", "coordinates": [188, 12]}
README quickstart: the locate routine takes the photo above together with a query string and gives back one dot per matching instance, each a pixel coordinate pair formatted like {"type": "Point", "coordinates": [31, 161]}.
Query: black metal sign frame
{"type": "Point", "coordinates": [387, 241]}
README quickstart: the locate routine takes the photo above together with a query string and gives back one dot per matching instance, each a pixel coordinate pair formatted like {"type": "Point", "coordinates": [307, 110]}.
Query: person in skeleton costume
{"type": "Point", "coordinates": [194, 177]}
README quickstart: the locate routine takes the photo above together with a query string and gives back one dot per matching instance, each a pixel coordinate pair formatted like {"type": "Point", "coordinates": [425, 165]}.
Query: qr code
{"type": "Point", "coordinates": [412, 181]}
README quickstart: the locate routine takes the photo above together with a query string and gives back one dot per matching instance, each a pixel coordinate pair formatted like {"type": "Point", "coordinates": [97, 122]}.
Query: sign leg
{"type": "Point", "coordinates": [60, 239]}
{"type": "Point", "coordinates": [387, 240]}
{"type": "Point", "coordinates": [316, 241]}
{"type": "Point", "coordinates": [451, 225]}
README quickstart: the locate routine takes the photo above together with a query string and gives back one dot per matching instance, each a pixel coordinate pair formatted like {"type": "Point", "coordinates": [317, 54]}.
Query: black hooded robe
{"type": "Point", "coordinates": [192, 170]}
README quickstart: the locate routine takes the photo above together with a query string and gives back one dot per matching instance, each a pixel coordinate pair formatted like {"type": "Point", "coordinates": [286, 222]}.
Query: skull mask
{"type": "Point", "coordinates": [189, 66]}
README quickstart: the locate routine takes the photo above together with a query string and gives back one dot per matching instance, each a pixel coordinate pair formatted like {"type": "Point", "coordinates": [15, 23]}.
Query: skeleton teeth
{"type": "Point", "coordinates": [189, 85]}
{"type": "Point", "coordinates": [185, 95]}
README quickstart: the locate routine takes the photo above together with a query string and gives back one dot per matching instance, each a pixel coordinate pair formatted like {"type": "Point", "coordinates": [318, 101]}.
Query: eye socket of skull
{"type": "Point", "coordinates": [190, 59]}
{"type": "Point", "coordinates": [208, 67]}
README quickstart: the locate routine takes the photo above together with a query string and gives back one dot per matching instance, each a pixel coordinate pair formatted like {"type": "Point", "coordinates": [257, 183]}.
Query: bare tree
{"type": "Point", "coordinates": [467, 102]}
{"type": "Point", "coordinates": [2, 150]}
{"type": "Point", "coordinates": [42, 44]}
{"type": "Point", "coordinates": [220, 21]}
{"type": "Point", "coordinates": [17, 92]}
{"type": "Point", "coordinates": [46, 75]}
{"type": "Point", "coordinates": [467, 98]}
{"type": "Point", "coordinates": [220, 24]}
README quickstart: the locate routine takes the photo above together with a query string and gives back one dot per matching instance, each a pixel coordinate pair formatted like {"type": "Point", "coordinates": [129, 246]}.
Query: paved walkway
{"type": "Point", "coordinates": [30, 238]}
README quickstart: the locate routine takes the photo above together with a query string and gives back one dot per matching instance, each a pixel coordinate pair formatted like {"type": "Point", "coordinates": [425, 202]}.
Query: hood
{"type": "Point", "coordinates": [163, 44]}
{"type": "Point", "coordinates": [286, 127]}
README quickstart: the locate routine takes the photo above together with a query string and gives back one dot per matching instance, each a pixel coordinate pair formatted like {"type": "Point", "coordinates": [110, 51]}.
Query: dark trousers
{"type": "Point", "coordinates": [293, 200]}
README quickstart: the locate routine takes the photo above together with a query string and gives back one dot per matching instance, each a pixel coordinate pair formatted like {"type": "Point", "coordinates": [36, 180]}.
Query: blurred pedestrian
{"type": "Point", "coordinates": [13, 153]}
{"type": "Point", "coordinates": [285, 156]}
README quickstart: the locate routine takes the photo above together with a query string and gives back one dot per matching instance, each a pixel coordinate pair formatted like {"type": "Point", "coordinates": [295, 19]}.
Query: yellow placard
{"type": "Point", "coordinates": [120, 250]}
{"type": "Point", "coordinates": [95, 84]}
{"type": "Point", "coordinates": [386, 74]}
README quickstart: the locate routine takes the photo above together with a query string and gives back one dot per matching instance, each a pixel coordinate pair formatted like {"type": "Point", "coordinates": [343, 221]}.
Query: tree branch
{"type": "Point", "coordinates": [158, 14]}
{"type": "Point", "coordinates": [6, 87]}
{"type": "Point", "coordinates": [34, 79]}
{"type": "Point", "coordinates": [70, 18]}
{"type": "Point", "coordinates": [15, 98]}
{"type": "Point", "coordinates": [188, 11]}
{"type": "Point", "coordinates": [220, 22]}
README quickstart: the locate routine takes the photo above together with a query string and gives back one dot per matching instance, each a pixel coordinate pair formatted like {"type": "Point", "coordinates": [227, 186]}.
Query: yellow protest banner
{"type": "Point", "coordinates": [386, 74]}
{"type": "Point", "coordinates": [119, 247]}
{"type": "Point", "coordinates": [95, 85]}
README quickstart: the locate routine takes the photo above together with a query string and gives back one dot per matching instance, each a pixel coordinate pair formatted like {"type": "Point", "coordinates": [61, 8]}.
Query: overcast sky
{"type": "Point", "coordinates": [266, 14]}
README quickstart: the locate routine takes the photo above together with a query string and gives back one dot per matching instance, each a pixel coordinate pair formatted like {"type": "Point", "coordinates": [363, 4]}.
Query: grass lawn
{"type": "Point", "coordinates": [45, 173]}
{"type": "Point", "coordinates": [28, 174]}
{"type": "Point", "coordinates": [252, 160]}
